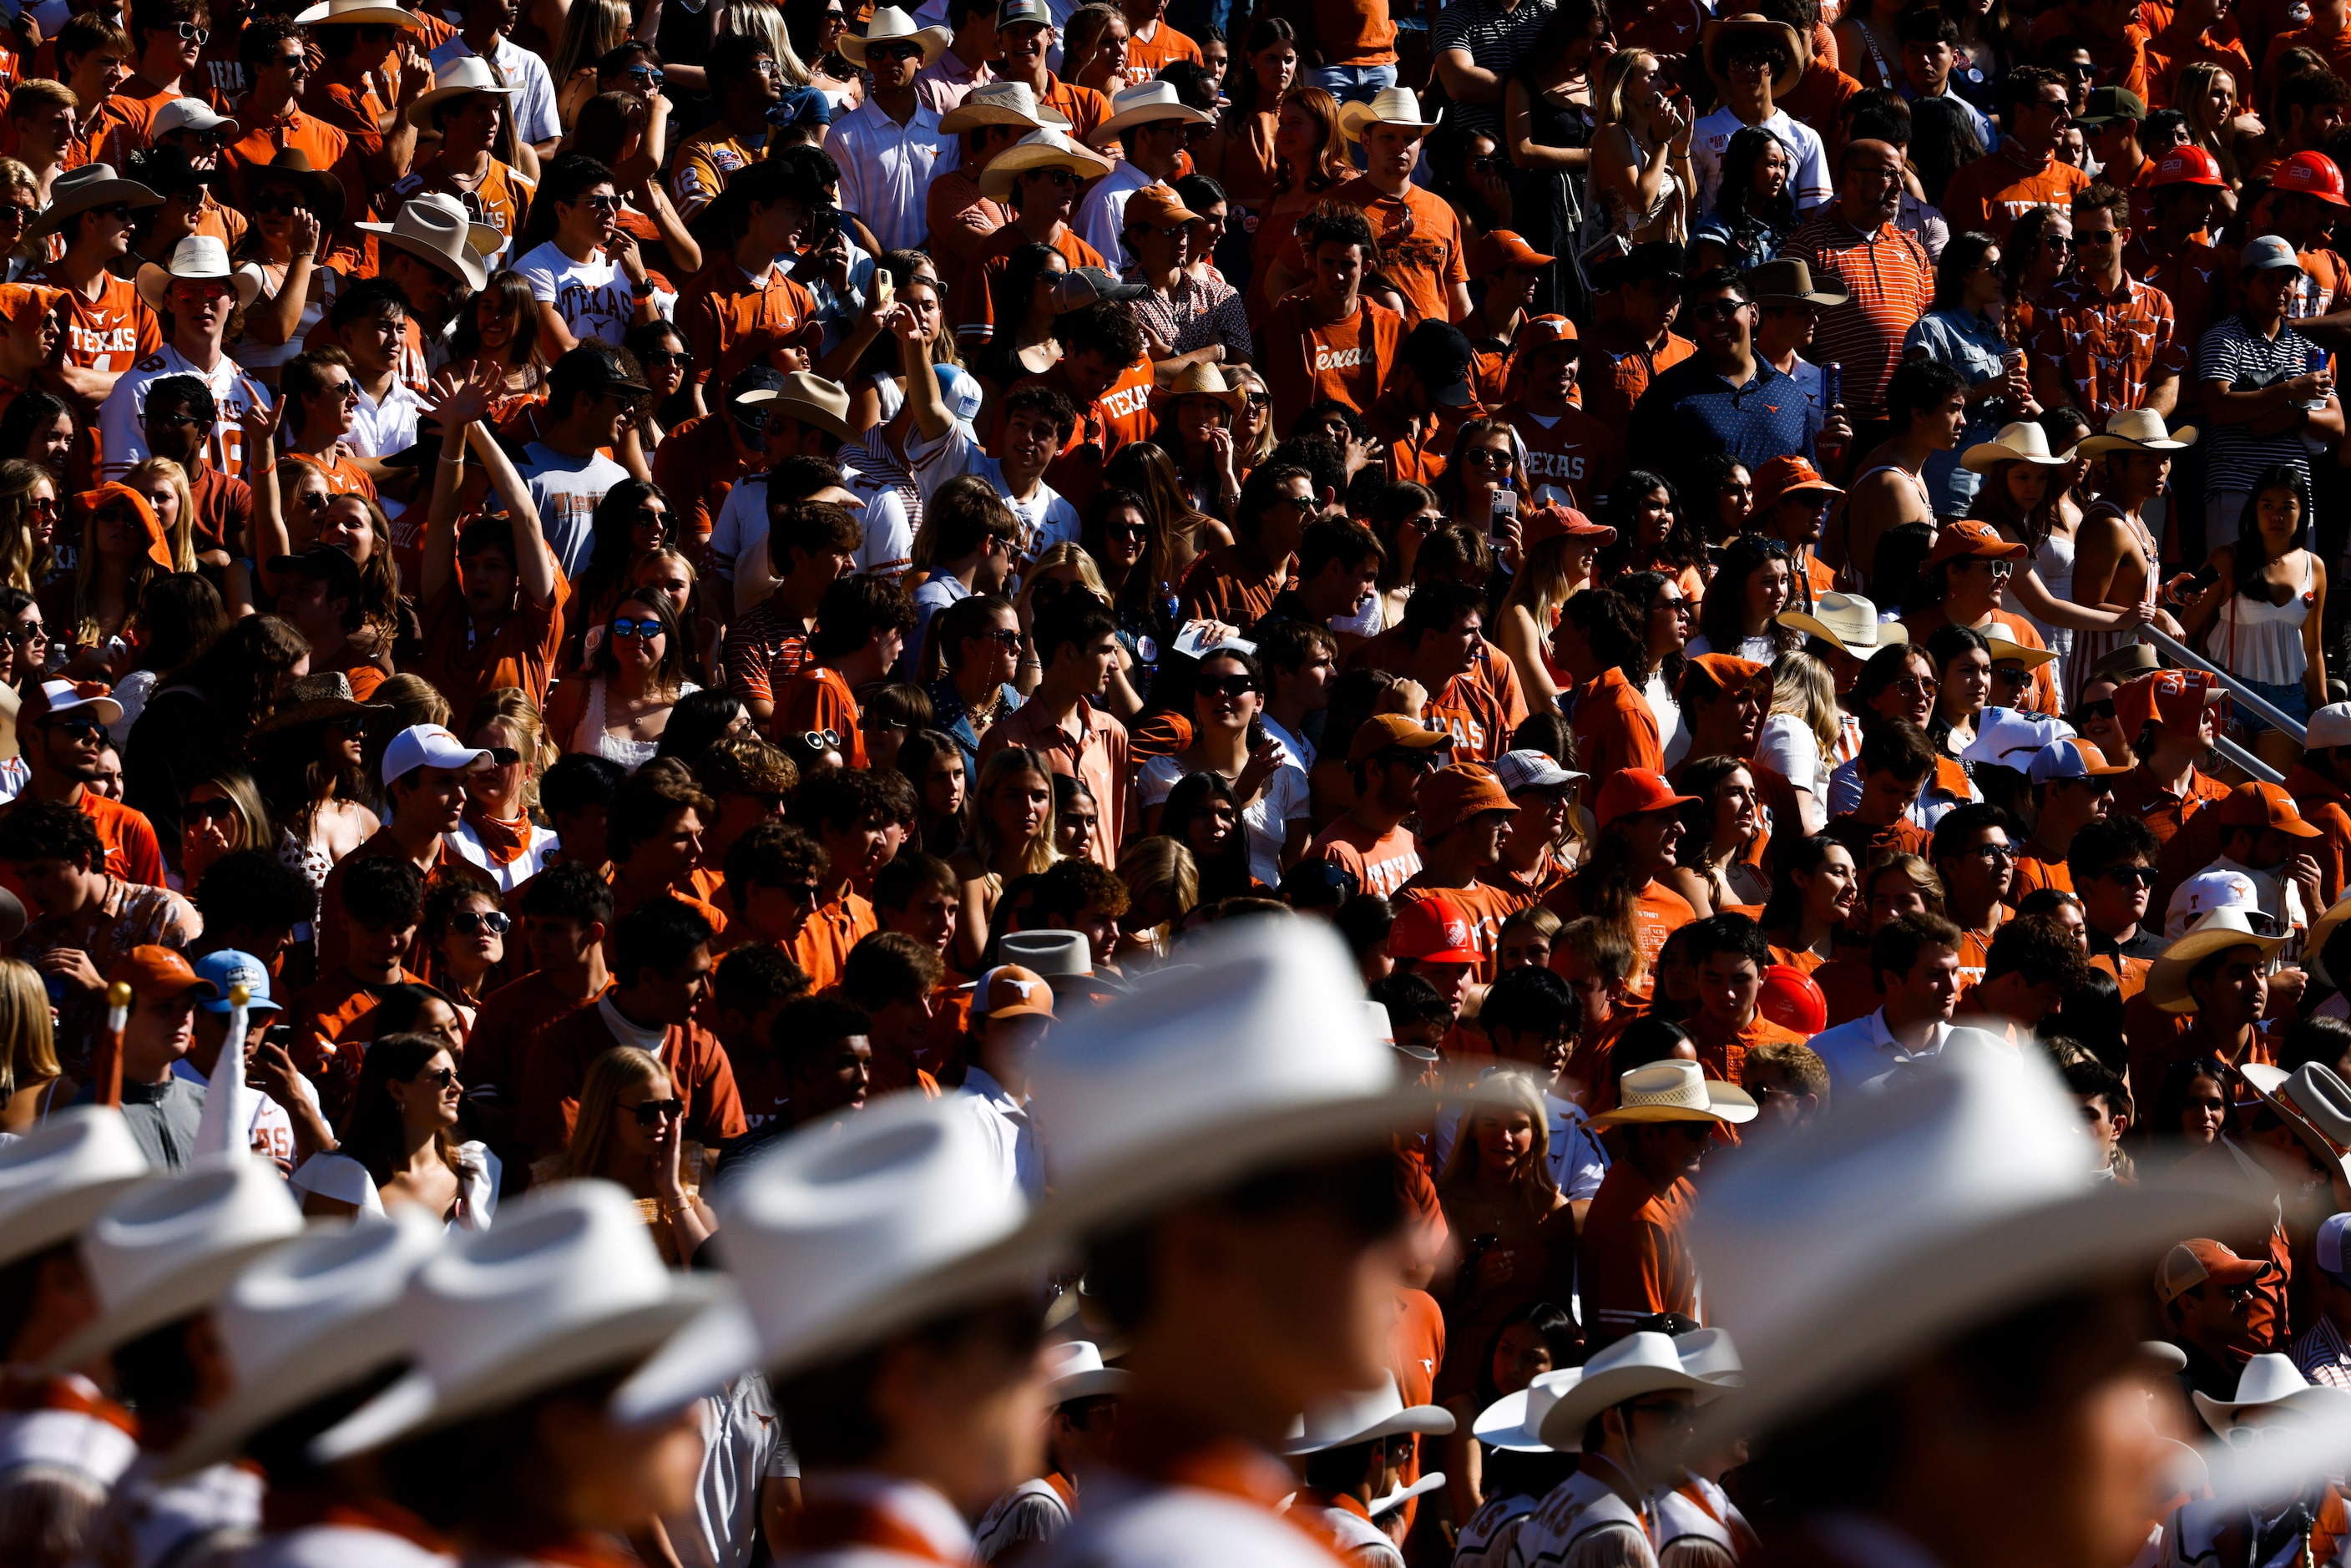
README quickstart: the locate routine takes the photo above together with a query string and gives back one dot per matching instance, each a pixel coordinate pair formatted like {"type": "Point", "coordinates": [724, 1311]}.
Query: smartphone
{"type": "Point", "coordinates": [884, 291]}
{"type": "Point", "coordinates": [1257, 738]}
{"type": "Point", "coordinates": [1506, 511]}
{"type": "Point", "coordinates": [2202, 579]}
{"type": "Point", "coordinates": [823, 224]}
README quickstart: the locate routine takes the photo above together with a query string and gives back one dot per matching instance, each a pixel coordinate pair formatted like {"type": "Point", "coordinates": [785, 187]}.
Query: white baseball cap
{"type": "Point", "coordinates": [2330, 726]}
{"type": "Point", "coordinates": [2205, 892]}
{"type": "Point", "coordinates": [2011, 738]}
{"type": "Point", "coordinates": [1530, 769]}
{"type": "Point", "coordinates": [428, 746]}
{"type": "Point", "coordinates": [186, 114]}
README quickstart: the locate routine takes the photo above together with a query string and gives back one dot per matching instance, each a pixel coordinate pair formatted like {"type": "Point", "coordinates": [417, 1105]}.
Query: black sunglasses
{"type": "Point", "coordinates": [440, 1077]}
{"type": "Point", "coordinates": [653, 1111]}
{"type": "Point", "coordinates": [467, 921]}
{"type": "Point", "coordinates": [211, 811]}
{"type": "Point", "coordinates": [1225, 685]}
{"type": "Point", "coordinates": [76, 727]}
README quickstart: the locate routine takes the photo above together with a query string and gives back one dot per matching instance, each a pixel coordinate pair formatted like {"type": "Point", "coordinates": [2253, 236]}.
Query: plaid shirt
{"type": "Point", "coordinates": [128, 914]}
{"type": "Point", "coordinates": [2322, 1356]}
{"type": "Point", "coordinates": [1197, 313]}
{"type": "Point", "coordinates": [2108, 346]}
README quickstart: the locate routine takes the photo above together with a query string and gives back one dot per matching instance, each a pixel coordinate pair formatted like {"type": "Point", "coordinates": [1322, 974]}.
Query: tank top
{"type": "Point", "coordinates": [2089, 647]}
{"type": "Point", "coordinates": [1853, 576]}
{"type": "Point", "coordinates": [2258, 641]}
{"type": "Point", "coordinates": [594, 737]}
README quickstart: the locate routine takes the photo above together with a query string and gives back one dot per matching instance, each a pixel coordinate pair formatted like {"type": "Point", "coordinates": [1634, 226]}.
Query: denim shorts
{"type": "Point", "coordinates": [2291, 698]}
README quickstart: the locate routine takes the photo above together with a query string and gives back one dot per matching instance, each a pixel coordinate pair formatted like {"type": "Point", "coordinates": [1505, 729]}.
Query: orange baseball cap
{"type": "Point", "coordinates": [1553, 521]}
{"type": "Point", "coordinates": [1503, 248]}
{"type": "Point", "coordinates": [1780, 477]}
{"type": "Point", "coordinates": [1009, 991]}
{"type": "Point", "coordinates": [2191, 1264]}
{"type": "Point", "coordinates": [2173, 697]}
{"type": "Point", "coordinates": [1382, 730]}
{"type": "Point", "coordinates": [1435, 930]}
{"type": "Point", "coordinates": [1158, 207]}
{"type": "Point", "coordinates": [1633, 790]}
{"type": "Point", "coordinates": [1969, 538]}
{"type": "Point", "coordinates": [153, 971]}
{"type": "Point", "coordinates": [1451, 795]}
{"type": "Point", "coordinates": [2259, 805]}
{"type": "Point", "coordinates": [1726, 671]}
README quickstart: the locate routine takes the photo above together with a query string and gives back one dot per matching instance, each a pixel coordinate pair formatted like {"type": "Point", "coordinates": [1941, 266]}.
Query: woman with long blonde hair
{"type": "Point", "coordinates": [1309, 159]}
{"type": "Point", "coordinates": [29, 1053]}
{"type": "Point", "coordinates": [1497, 1183]}
{"type": "Point", "coordinates": [1253, 434]}
{"type": "Point", "coordinates": [631, 1130]}
{"type": "Point", "coordinates": [1800, 734]}
{"type": "Point", "coordinates": [2207, 97]}
{"type": "Point", "coordinates": [28, 525]}
{"type": "Point", "coordinates": [1642, 180]}
{"type": "Point", "coordinates": [1145, 468]}
{"type": "Point", "coordinates": [1556, 569]}
{"type": "Point", "coordinates": [123, 548]}
{"type": "Point", "coordinates": [591, 29]}
{"type": "Point", "coordinates": [166, 486]}
{"type": "Point", "coordinates": [1163, 884]}
{"type": "Point", "coordinates": [1011, 836]}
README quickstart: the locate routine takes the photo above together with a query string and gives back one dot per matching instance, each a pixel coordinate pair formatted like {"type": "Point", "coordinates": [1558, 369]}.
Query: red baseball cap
{"type": "Point", "coordinates": [1792, 999]}
{"type": "Point", "coordinates": [1433, 930]}
{"type": "Point", "coordinates": [1553, 521]}
{"type": "Point", "coordinates": [1630, 792]}
{"type": "Point", "coordinates": [2311, 174]}
{"type": "Point", "coordinates": [153, 971]}
{"type": "Point", "coordinates": [2187, 165]}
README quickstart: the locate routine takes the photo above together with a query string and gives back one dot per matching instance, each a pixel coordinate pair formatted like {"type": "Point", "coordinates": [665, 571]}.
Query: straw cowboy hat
{"type": "Point", "coordinates": [1046, 149]}
{"type": "Point", "coordinates": [891, 24]}
{"type": "Point", "coordinates": [2004, 651]}
{"type": "Point", "coordinates": [1001, 103]}
{"type": "Point", "coordinates": [1676, 1091]}
{"type": "Point", "coordinates": [1074, 1370]}
{"type": "Point", "coordinates": [465, 75]}
{"type": "Point", "coordinates": [568, 1283]}
{"type": "Point", "coordinates": [2167, 978]}
{"type": "Point", "coordinates": [2269, 1381]}
{"type": "Point", "coordinates": [77, 191]}
{"type": "Point", "coordinates": [809, 398]}
{"type": "Point", "coordinates": [199, 257]}
{"type": "Point", "coordinates": [62, 1174]}
{"type": "Point", "coordinates": [2321, 931]}
{"type": "Point", "coordinates": [358, 14]}
{"type": "Point", "coordinates": [1847, 621]}
{"type": "Point", "coordinates": [1960, 1191]}
{"type": "Point", "coordinates": [2021, 442]}
{"type": "Point", "coordinates": [1143, 103]}
{"type": "Point", "coordinates": [1354, 1419]}
{"type": "Point", "coordinates": [1390, 105]}
{"type": "Point", "coordinates": [840, 1238]}
{"type": "Point", "coordinates": [313, 699]}
{"type": "Point", "coordinates": [170, 1245]}
{"type": "Point", "coordinates": [1636, 1365]}
{"type": "Point", "coordinates": [2136, 430]}
{"type": "Point", "coordinates": [316, 1316]}
{"type": "Point", "coordinates": [1205, 380]}
{"type": "Point", "coordinates": [1727, 32]}
{"type": "Point", "coordinates": [321, 192]}
{"type": "Point", "coordinates": [2314, 1102]}
{"type": "Point", "coordinates": [437, 227]}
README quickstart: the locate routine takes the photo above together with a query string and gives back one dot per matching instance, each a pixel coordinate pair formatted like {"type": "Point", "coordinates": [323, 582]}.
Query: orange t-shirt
{"type": "Point", "coordinates": [1145, 58]}
{"type": "Point", "coordinates": [1350, 33]}
{"type": "Point", "coordinates": [1415, 1350]}
{"type": "Point", "coordinates": [1307, 362]}
{"type": "Point", "coordinates": [1616, 728]}
{"type": "Point", "coordinates": [1486, 907]}
{"type": "Point", "coordinates": [549, 1101]}
{"type": "Point", "coordinates": [818, 698]}
{"type": "Point", "coordinates": [1476, 715]}
{"type": "Point", "coordinates": [832, 928]}
{"type": "Point", "coordinates": [110, 333]}
{"type": "Point", "coordinates": [119, 129]}
{"type": "Point", "coordinates": [1725, 1057]}
{"type": "Point", "coordinates": [1222, 587]}
{"type": "Point", "coordinates": [520, 652]}
{"type": "Point", "coordinates": [1657, 912]}
{"type": "Point", "coordinates": [1618, 367]}
{"type": "Point", "coordinates": [1422, 251]}
{"type": "Point", "coordinates": [132, 851]}
{"type": "Point", "coordinates": [509, 1020]}
{"type": "Point", "coordinates": [1632, 1262]}
{"type": "Point", "coordinates": [1382, 865]}
{"type": "Point", "coordinates": [332, 1031]}
{"type": "Point", "coordinates": [1996, 190]}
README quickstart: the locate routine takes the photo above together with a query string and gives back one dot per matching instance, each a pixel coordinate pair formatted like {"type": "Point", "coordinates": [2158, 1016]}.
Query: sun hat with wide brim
{"type": "Point", "coordinates": [1848, 622]}
{"type": "Point", "coordinates": [316, 1316]}
{"type": "Point", "coordinates": [1353, 1418]}
{"type": "Point", "coordinates": [809, 398]}
{"type": "Point", "coordinates": [568, 1284]}
{"type": "Point", "coordinates": [2021, 442]}
{"type": "Point", "coordinates": [1676, 1091]}
{"type": "Point", "coordinates": [1143, 103]}
{"type": "Point", "coordinates": [314, 699]}
{"type": "Point", "coordinates": [891, 25]}
{"type": "Point", "coordinates": [2005, 651]}
{"type": "Point", "coordinates": [1958, 1192]}
{"type": "Point", "coordinates": [2136, 430]}
{"type": "Point", "coordinates": [465, 75]}
{"type": "Point", "coordinates": [840, 1238]}
{"type": "Point", "coordinates": [321, 192]}
{"type": "Point", "coordinates": [1046, 149]}
{"type": "Point", "coordinates": [437, 228]}
{"type": "Point", "coordinates": [199, 257]}
{"type": "Point", "coordinates": [170, 1245]}
{"type": "Point", "coordinates": [1515, 1420]}
{"type": "Point", "coordinates": [1398, 106]}
{"type": "Point", "coordinates": [1205, 380]}
{"type": "Point", "coordinates": [2167, 978]}
{"type": "Point", "coordinates": [358, 14]}
{"type": "Point", "coordinates": [62, 1174]}
{"type": "Point", "coordinates": [78, 191]}
{"type": "Point", "coordinates": [1722, 33]}
{"type": "Point", "coordinates": [1002, 103]}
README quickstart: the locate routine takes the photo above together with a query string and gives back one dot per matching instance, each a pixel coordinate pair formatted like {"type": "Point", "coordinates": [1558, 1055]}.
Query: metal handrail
{"type": "Point", "coordinates": [2254, 702]}
{"type": "Point", "coordinates": [2254, 765]}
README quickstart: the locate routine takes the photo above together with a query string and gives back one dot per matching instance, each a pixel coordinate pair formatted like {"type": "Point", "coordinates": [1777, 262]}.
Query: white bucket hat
{"type": "Point", "coordinates": [1074, 1370]}
{"type": "Point", "coordinates": [1143, 103]}
{"type": "Point", "coordinates": [1848, 620]}
{"type": "Point", "coordinates": [465, 75]}
{"type": "Point", "coordinates": [1960, 1191]}
{"type": "Point", "coordinates": [1636, 1365]}
{"type": "Point", "coordinates": [1389, 106]}
{"type": "Point", "coordinates": [62, 1174]}
{"type": "Point", "coordinates": [568, 1283]}
{"type": "Point", "coordinates": [314, 1316]}
{"type": "Point", "coordinates": [891, 24]}
{"type": "Point", "coordinates": [170, 1244]}
{"type": "Point", "coordinates": [437, 227]}
{"type": "Point", "coordinates": [840, 1238]}
{"type": "Point", "coordinates": [196, 256]}
{"type": "Point", "coordinates": [2267, 1381]}
{"type": "Point", "coordinates": [1354, 1419]}
{"type": "Point", "coordinates": [2021, 442]}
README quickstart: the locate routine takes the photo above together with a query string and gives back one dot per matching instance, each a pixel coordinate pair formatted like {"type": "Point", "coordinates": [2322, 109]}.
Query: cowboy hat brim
{"type": "Point", "coordinates": [1108, 131]}
{"type": "Point", "coordinates": [414, 1405]}
{"type": "Point", "coordinates": [1089, 1384]}
{"type": "Point", "coordinates": [1563, 1423]}
{"type": "Point", "coordinates": [1233, 398]}
{"type": "Point", "coordinates": [2098, 446]}
{"type": "Point", "coordinates": [2167, 978]}
{"type": "Point", "coordinates": [2267, 1080]}
{"type": "Point", "coordinates": [1503, 1424]}
{"type": "Point", "coordinates": [354, 1350]}
{"type": "Point", "coordinates": [2221, 1414]}
{"type": "Point", "coordinates": [978, 116]}
{"type": "Point", "coordinates": [419, 113]}
{"type": "Point", "coordinates": [175, 1295]}
{"type": "Point", "coordinates": [1725, 1103]}
{"type": "Point", "coordinates": [2004, 651]}
{"type": "Point", "coordinates": [359, 17]}
{"type": "Point", "coordinates": [1354, 118]}
{"type": "Point", "coordinates": [321, 192]}
{"type": "Point", "coordinates": [2313, 944]}
{"type": "Point", "coordinates": [1724, 28]}
{"type": "Point", "coordinates": [933, 42]}
{"type": "Point", "coordinates": [802, 409]}
{"type": "Point", "coordinates": [1889, 632]}
{"type": "Point", "coordinates": [1403, 1494]}
{"type": "Point", "coordinates": [996, 180]}
{"type": "Point", "coordinates": [156, 283]}
{"type": "Point", "coordinates": [469, 267]}
{"type": "Point", "coordinates": [61, 1218]}
{"type": "Point", "coordinates": [104, 193]}
{"type": "Point", "coordinates": [1426, 1420]}
{"type": "Point", "coordinates": [317, 711]}
{"type": "Point", "coordinates": [1986, 456]}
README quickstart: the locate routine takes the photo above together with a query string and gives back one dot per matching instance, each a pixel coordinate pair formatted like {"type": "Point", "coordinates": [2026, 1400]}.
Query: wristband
{"type": "Point", "coordinates": [642, 288]}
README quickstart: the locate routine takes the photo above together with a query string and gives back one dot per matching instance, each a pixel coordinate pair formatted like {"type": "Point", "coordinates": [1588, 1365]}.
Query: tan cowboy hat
{"type": "Point", "coordinates": [2021, 442]}
{"type": "Point", "coordinates": [1046, 149]}
{"type": "Point", "coordinates": [1389, 106]}
{"type": "Point", "coordinates": [2321, 931]}
{"type": "Point", "coordinates": [198, 255]}
{"type": "Point", "coordinates": [77, 191]}
{"type": "Point", "coordinates": [1001, 103]}
{"type": "Point", "coordinates": [438, 228]}
{"type": "Point", "coordinates": [313, 699]}
{"type": "Point", "coordinates": [2125, 663]}
{"type": "Point", "coordinates": [1205, 380]}
{"type": "Point", "coordinates": [1724, 31]}
{"type": "Point", "coordinates": [890, 23]}
{"type": "Point", "coordinates": [2166, 980]}
{"type": "Point", "coordinates": [1676, 1091]}
{"type": "Point", "coordinates": [2136, 430]}
{"type": "Point", "coordinates": [466, 74]}
{"type": "Point", "coordinates": [1789, 279]}
{"type": "Point", "coordinates": [809, 398]}
{"type": "Point", "coordinates": [2004, 651]}
{"type": "Point", "coordinates": [1848, 622]}
{"type": "Point", "coordinates": [1145, 102]}
{"type": "Point", "coordinates": [358, 14]}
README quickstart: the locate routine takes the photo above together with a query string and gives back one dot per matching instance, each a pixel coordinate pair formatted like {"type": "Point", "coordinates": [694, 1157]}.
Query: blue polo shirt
{"type": "Point", "coordinates": [1690, 409]}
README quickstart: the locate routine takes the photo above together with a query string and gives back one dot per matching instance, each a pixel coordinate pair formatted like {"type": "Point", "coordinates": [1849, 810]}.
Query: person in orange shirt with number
{"type": "Point", "coordinates": [1329, 341]}
{"type": "Point", "coordinates": [1571, 457]}
{"type": "Point", "coordinates": [861, 625]}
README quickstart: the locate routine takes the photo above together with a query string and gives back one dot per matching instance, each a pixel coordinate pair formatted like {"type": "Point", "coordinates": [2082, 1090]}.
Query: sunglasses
{"type": "Point", "coordinates": [472, 922]}
{"type": "Point", "coordinates": [2011, 674]}
{"type": "Point", "coordinates": [893, 51]}
{"type": "Point", "coordinates": [346, 727]}
{"type": "Point", "coordinates": [1717, 309]}
{"type": "Point", "coordinates": [1917, 685]}
{"type": "Point", "coordinates": [1224, 686]}
{"type": "Point", "coordinates": [666, 357]}
{"type": "Point", "coordinates": [342, 391]}
{"type": "Point", "coordinates": [13, 213]}
{"type": "Point", "coordinates": [214, 811]}
{"type": "Point", "coordinates": [2137, 875]}
{"type": "Point", "coordinates": [296, 61]}
{"type": "Point", "coordinates": [1123, 531]}
{"type": "Point", "coordinates": [643, 631]}
{"type": "Point", "coordinates": [824, 739]}
{"type": "Point", "coordinates": [603, 204]}
{"type": "Point", "coordinates": [115, 210]}
{"type": "Point", "coordinates": [1487, 457]}
{"type": "Point", "coordinates": [1995, 851]}
{"type": "Point", "coordinates": [192, 34]}
{"type": "Point", "coordinates": [646, 74]}
{"type": "Point", "coordinates": [156, 416]}
{"type": "Point", "coordinates": [1257, 400]}
{"type": "Point", "coordinates": [2102, 708]}
{"type": "Point", "coordinates": [26, 637]}
{"type": "Point", "coordinates": [1007, 635]}
{"type": "Point", "coordinates": [1419, 760]}
{"type": "Point", "coordinates": [1052, 176]}
{"type": "Point", "coordinates": [78, 729]}
{"type": "Point", "coordinates": [503, 757]}
{"type": "Point", "coordinates": [440, 1077]}
{"type": "Point", "coordinates": [653, 1111]}
{"type": "Point", "coordinates": [285, 203]}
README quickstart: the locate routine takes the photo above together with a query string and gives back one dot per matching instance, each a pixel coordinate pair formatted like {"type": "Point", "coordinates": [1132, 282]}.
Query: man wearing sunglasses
{"type": "Point", "coordinates": [61, 731]}
{"type": "Point", "coordinates": [2205, 1294]}
{"type": "Point", "coordinates": [1038, 177]}
{"type": "Point", "coordinates": [167, 38]}
{"type": "Point", "coordinates": [2111, 863]}
{"type": "Point", "coordinates": [2072, 786]}
{"type": "Point", "coordinates": [275, 56]}
{"type": "Point", "coordinates": [566, 911]}
{"type": "Point", "coordinates": [888, 145]}
{"type": "Point", "coordinates": [1024, 34]}
{"type": "Point", "coordinates": [1148, 120]}
{"type": "Point", "coordinates": [2033, 105]}
{"type": "Point", "coordinates": [485, 31]}
{"type": "Point", "coordinates": [1725, 398]}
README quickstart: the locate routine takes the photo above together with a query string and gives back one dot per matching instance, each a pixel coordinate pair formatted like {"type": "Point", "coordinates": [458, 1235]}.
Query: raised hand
{"type": "Point", "coordinates": [307, 232]}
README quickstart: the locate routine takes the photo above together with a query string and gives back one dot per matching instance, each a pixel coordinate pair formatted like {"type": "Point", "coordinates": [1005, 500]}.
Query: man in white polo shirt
{"type": "Point", "coordinates": [1915, 959]}
{"type": "Point", "coordinates": [1753, 61]}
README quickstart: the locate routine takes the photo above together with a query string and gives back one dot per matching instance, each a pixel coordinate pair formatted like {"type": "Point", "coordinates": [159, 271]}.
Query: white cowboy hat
{"type": "Point", "coordinates": [316, 1316]}
{"type": "Point", "coordinates": [1676, 1091]}
{"type": "Point", "coordinates": [809, 398]}
{"type": "Point", "coordinates": [1074, 1370]}
{"type": "Point", "coordinates": [1515, 1420]}
{"type": "Point", "coordinates": [1056, 954]}
{"type": "Point", "coordinates": [1255, 1054]}
{"type": "Point", "coordinates": [891, 24]}
{"type": "Point", "coordinates": [1849, 622]}
{"type": "Point", "coordinates": [2313, 1101]}
{"type": "Point", "coordinates": [1389, 106]}
{"type": "Point", "coordinates": [1353, 1418]}
{"type": "Point", "coordinates": [170, 1245]}
{"type": "Point", "coordinates": [1400, 1494]}
{"type": "Point", "coordinates": [437, 227]}
{"type": "Point", "coordinates": [1141, 103]}
{"type": "Point", "coordinates": [77, 191]}
{"type": "Point", "coordinates": [198, 255]}
{"type": "Point", "coordinates": [2266, 1382]}
{"type": "Point", "coordinates": [61, 1176]}
{"type": "Point", "coordinates": [568, 1283]}
{"type": "Point", "coordinates": [2321, 931]}
{"type": "Point", "coordinates": [2167, 978]}
{"type": "Point", "coordinates": [466, 74]}
{"type": "Point", "coordinates": [840, 1238]}
{"type": "Point", "coordinates": [358, 14]}
{"type": "Point", "coordinates": [1960, 1191]}
{"type": "Point", "coordinates": [1709, 1354]}
{"type": "Point", "coordinates": [1001, 103]}
{"type": "Point", "coordinates": [2021, 442]}
{"type": "Point", "coordinates": [2135, 430]}
{"type": "Point", "coordinates": [1046, 149]}
{"type": "Point", "coordinates": [1636, 1365]}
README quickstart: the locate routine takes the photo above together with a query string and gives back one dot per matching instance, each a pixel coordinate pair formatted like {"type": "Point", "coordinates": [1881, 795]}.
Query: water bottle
{"type": "Point", "coordinates": [2312, 363]}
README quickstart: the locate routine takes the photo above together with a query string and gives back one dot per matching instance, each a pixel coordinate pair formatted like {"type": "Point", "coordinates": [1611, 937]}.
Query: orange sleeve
{"type": "Point", "coordinates": [717, 1103]}
{"type": "Point", "coordinates": [548, 1098]}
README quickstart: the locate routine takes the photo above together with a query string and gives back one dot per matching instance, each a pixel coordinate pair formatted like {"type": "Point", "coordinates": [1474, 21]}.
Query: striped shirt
{"type": "Point", "coordinates": [2322, 1356]}
{"type": "Point", "coordinates": [1892, 284]}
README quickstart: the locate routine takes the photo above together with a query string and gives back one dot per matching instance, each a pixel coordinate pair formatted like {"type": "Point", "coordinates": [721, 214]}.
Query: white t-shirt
{"type": "Point", "coordinates": [744, 1446]}
{"type": "Point", "coordinates": [1808, 174]}
{"type": "Point", "coordinates": [1284, 800]}
{"type": "Point", "coordinates": [1046, 517]}
{"type": "Point", "coordinates": [592, 297]}
{"type": "Point", "coordinates": [122, 419]}
{"type": "Point", "coordinates": [533, 104]}
{"type": "Point", "coordinates": [1787, 744]}
{"type": "Point", "coordinates": [567, 490]}
{"type": "Point", "coordinates": [267, 1127]}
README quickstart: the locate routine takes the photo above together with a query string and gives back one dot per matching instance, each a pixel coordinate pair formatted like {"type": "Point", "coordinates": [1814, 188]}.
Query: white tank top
{"type": "Point", "coordinates": [2256, 640]}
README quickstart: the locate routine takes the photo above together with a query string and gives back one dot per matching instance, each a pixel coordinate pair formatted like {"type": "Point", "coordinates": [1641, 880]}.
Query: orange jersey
{"type": "Point", "coordinates": [109, 334]}
{"type": "Point", "coordinates": [816, 699]}
{"type": "Point", "coordinates": [821, 946]}
{"type": "Point", "coordinates": [1306, 361]}
{"type": "Point", "coordinates": [1571, 456]}
{"type": "Point", "coordinates": [734, 321]}
{"type": "Point", "coordinates": [1993, 192]}
{"type": "Point", "coordinates": [1617, 368]}
{"type": "Point", "coordinates": [1381, 866]}
{"type": "Point", "coordinates": [1147, 57]}
{"type": "Point", "coordinates": [119, 129]}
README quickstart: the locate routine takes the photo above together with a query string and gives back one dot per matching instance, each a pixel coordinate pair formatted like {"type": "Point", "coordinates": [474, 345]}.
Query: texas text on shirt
{"type": "Point", "coordinates": [567, 490]}
{"type": "Point", "coordinates": [593, 297]}
{"type": "Point", "coordinates": [121, 421]}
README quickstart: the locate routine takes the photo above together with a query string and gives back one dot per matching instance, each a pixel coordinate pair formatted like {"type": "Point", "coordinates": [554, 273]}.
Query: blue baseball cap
{"type": "Point", "coordinates": [230, 968]}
